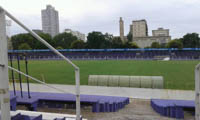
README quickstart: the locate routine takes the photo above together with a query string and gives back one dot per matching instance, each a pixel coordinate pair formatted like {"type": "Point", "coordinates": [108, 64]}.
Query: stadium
{"type": "Point", "coordinates": [97, 84]}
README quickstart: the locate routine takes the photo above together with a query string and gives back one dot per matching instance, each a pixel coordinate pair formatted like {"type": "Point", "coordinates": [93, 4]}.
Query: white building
{"type": "Point", "coordinates": [78, 34]}
{"type": "Point", "coordinates": [50, 21]}
{"type": "Point", "coordinates": [143, 42]}
{"type": "Point", "coordinates": [160, 32]}
{"type": "Point", "coordinates": [139, 28]}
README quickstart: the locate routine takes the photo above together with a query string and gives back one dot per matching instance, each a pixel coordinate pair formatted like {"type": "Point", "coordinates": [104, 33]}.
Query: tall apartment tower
{"type": "Point", "coordinates": [140, 28]}
{"type": "Point", "coordinates": [50, 21]}
{"type": "Point", "coordinates": [121, 29]}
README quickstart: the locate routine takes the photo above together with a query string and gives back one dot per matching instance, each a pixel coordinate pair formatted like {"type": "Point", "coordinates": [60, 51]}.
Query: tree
{"type": "Point", "coordinates": [19, 39]}
{"type": "Point", "coordinates": [24, 46]}
{"type": "Point", "coordinates": [47, 38]}
{"type": "Point", "coordinates": [147, 47]}
{"type": "Point", "coordinates": [59, 48]}
{"type": "Point", "coordinates": [78, 44]}
{"type": "Point", "coordinates": [191, 40]}
{"type": "Point", "coordinates": [108, 41]}
{"type": "Point", "coordinates": [134, 45]}
{"type": "Point", "coordinates": [163, 45]}
{"type": "Point", "coordinates": [130, 45]}
{"type": "Point", "coordinates": [117, 42]}
{"type": "Point", "coordinates": [175, 44]}
{"type": "Point", "coordinates": [155, 45]}
{"type": "Point", "coordinates": [96, 40]}
{"type": "Point", "coordinates": [129, 37]}
{"type": "Point", "coordinates": [64, 40]}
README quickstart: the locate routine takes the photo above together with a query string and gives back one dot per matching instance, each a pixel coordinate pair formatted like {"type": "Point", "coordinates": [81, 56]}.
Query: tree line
{"type": "Point", "coordinates": [95, 40]}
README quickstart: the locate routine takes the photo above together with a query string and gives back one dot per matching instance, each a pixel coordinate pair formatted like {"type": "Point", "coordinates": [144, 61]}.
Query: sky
{"type": "Point", "coordinates": [180, 16]}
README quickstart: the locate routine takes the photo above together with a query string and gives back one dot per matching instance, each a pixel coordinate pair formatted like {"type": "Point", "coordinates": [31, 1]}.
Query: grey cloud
{"type": "Point", "coordinates": [180, 16]}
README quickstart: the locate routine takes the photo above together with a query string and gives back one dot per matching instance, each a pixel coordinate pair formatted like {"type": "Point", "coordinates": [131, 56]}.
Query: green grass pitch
{"type": "Point", "coordinates": [177, 74]}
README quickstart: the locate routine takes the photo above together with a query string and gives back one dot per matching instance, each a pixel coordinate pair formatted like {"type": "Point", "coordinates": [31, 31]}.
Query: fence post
{"type": "Point", "coordinates": [197, 92]}
{"type": "Point", "coordinates": [4, 88]}
{"type": "Point", "coordinates": [78, 106]}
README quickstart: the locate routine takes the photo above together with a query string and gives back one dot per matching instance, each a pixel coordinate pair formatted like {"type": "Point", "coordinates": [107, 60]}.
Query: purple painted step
{"type": "Point", "coordinates": [171, 108]}
{"type": "Point", "coordinates": [59, 119]}
{"type": "Point", "coordinates": [13, 103]}
{"type": "Point", "coordinates": [58, 100]}
{"type": "Point", "coordinates": [33, 117]}
{"type": "Point", "coordinates": [19, 116]}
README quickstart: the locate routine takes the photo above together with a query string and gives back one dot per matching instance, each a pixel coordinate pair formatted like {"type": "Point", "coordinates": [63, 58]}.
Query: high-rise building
{"type": "Point", "coordinates": [140, 28]}
{"type": "Point", "coordinates": [50, 21]}
{"type": "Point", "coordinates": [121, 29]}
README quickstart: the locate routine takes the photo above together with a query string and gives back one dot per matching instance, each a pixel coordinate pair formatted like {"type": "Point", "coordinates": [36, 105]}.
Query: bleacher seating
{"type": "Point", "coordinates": [20, 116]}
{"type": "Point", "coordinates": [60, 100]}
{"type": "Point", "coordinates": [107, 54]}
{"type": "Point", "coordinates": [172, 108]}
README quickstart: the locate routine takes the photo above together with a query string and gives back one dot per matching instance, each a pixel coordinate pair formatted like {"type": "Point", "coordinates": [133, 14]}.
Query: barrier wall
{"type": "Point", "coordinates": [126, 81]}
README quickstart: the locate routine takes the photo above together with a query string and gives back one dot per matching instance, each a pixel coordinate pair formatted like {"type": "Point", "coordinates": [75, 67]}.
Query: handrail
{"type": "Point", "coordinates": [77, 71]}
{"type": "Point", "coordinates": [197, 92]}
{"type": "Point", "coordinates": [37, 80]}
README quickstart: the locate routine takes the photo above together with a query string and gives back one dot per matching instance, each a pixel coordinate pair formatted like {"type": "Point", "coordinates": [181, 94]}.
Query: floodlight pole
{"type": "Point", "coordinates": [197, 92]}
{"type": "Point", "coordinates": [4, 91]}
{"type": "Point", "coordinates": [77, 71]}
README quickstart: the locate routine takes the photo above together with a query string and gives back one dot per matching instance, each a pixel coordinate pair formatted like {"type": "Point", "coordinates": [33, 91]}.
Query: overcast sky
{"type": "Point", "coordinates": [180, 16]}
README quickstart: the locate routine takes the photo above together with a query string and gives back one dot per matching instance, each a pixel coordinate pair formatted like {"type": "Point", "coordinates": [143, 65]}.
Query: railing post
{"type": "Point", "coordinates": [4, 91]}
{"type": "Point", "coordinates": [197, 92]}
{"type": "Point", "coordinates": [78, 106]}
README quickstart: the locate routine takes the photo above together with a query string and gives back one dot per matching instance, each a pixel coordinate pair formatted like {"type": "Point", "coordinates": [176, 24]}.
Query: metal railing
{"type": "Point", "coordinates": [37, 80]}
{"type": "Point", "coordinates": [197, 92]}
{"type": "Point", "coordinates": [77, 71]}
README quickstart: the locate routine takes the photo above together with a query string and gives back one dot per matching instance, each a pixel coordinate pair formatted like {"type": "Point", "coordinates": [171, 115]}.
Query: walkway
{"type": "Point", "coordinates": [141, 93]}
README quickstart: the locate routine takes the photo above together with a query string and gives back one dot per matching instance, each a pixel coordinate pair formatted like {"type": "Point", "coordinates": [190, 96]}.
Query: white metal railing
{"type": "Point", "coordinates": [197, 92]}
{"type": "Point", "coordinates": [37, 80]}
{"type": "Point", "coordinates": [77, 71]}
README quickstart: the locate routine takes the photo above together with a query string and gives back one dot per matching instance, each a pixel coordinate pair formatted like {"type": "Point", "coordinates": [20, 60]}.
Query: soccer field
{"type": "Point", "coordinates": [177, 74]}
